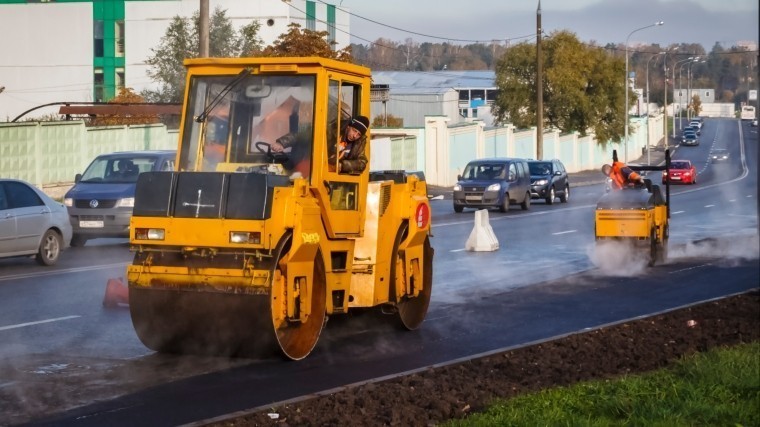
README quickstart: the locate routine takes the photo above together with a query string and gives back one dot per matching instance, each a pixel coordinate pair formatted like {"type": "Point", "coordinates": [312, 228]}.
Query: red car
{"type": "Point", "coordinates": [681, 171]}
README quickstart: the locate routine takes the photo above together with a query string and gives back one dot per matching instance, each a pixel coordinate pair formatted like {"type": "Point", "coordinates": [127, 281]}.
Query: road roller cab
{"type": "Point", "coordinates": [247, 247]}
{"type": "Point", "coordinates": [638, 214]}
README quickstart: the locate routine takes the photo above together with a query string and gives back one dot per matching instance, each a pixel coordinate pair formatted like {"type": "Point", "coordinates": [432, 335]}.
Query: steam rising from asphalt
{"type": "Point", "coordinates": [732, 249]}
{"type": "Point", "coordinates": [619, 258]}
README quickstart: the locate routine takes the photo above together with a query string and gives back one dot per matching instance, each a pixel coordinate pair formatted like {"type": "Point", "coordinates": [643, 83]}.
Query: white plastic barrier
{"type": "Point", "coordinates": [482, 237]}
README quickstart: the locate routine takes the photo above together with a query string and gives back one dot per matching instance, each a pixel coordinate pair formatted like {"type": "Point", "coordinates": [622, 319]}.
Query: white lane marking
{"type": "Point", "coordinates": [564, 232]}
{"type": "Point", "coordinates": [709, 206]}
{"type": "Point", "coordinates": [677, 212]}
{"type": "Point", "coordinates": [458, 250]}
{"type": "Point", "coordinates": [690, 268]}
{"type": "Point", "coordinates": [67, 270]}
{"type": "Point", "coordinates": [21, 325]}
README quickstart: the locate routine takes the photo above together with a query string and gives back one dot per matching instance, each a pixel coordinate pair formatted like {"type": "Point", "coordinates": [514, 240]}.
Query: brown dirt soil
{"type": "Point", "coordinates": [436, 395]}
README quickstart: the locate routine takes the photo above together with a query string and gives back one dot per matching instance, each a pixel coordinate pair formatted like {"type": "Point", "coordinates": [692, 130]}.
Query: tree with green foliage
{"type": "Point", "coordinates": [387, 121]}
{"type": "Point", "coordinates": [582, 85]}
{"type": "Point", "coordinates": [181, 40]}
{"type": "Point", "coordinates": [298, 42]}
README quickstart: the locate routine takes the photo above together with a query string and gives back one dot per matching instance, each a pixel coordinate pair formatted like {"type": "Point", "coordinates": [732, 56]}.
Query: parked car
{"type": "Point", "coordinates": [493, 183]}
{"type": "Point", "coordinates": [690, 139]}
{"type": "Point", "coordinates": [548, 180]}
{"type": "Point", "coordinates": [696, 123]}
{"type": "Point", "coordinates": [682, 171]}
{"type": "Point", "coordinates": [101, 201]}
{"type": "Point", "coordinates": [31, 223]}
{"type": "Point", "coordinates": [719, 155]}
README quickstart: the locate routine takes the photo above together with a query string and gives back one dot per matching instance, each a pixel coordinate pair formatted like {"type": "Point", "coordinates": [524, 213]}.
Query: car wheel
{"type": "Point", "coordinates": [566, 196]}
{"type": "Point", "coordinates": [78, 240]}
{"type": "Point", "coordinates": [50, 248]}
{"type": "Point", "coordinates": [458, 208]}
{"type": "Point", "coordinates": [550, 197]}
{"type": "Point", "coordinates": [505, 203]}
{"type": "Point", "coordinates": [525, 205]}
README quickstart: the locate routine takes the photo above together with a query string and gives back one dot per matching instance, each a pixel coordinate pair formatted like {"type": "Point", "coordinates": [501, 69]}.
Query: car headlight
{"type": "Point", "coordinates": [127, 202]}
{"type": "Point", "coordinates": [457, 187]}
{"type": "Point", "coordinates": [68, 201]}
{"type": "Point", "coordinates": [494, 187]}
{"type": "Point", "coordinates": [541, 182]}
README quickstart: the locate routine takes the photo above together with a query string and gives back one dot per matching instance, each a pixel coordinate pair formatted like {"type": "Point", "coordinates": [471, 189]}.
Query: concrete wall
{"type": "Point", "coordinates": [51, 153]}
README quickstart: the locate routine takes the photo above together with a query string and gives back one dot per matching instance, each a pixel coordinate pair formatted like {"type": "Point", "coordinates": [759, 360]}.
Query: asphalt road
{"type": "Point", "coordinates": [63, 350]}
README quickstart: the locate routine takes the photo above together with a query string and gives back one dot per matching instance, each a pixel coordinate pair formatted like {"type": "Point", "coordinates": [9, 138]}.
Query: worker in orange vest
{"type": "Point", "coordinates": [621, 175]}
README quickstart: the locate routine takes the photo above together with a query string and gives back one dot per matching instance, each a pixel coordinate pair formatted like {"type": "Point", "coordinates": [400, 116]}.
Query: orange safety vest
{"type": "Point", "coordinates": [622, 175]}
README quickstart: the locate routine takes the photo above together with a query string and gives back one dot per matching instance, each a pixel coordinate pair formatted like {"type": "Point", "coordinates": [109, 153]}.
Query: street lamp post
{"type": "Point", "coordinates": [655, 63]}
{"type": "Point", "coordinates": [649, 144]}
{"type": "Point", "coordinates": [680, 91]}
{"type": "Point", "coordinates": [688, 87]}
{"type": "Point", "coordinates": [625, 110]}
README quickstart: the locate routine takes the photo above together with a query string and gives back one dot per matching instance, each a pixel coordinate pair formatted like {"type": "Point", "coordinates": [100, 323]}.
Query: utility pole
{"type": "Point", "coordinates": [665, 103]}
{"type": "Point", "coordinates": [204, 30]}
{"type": "Point", "coordinates": [539, 89]}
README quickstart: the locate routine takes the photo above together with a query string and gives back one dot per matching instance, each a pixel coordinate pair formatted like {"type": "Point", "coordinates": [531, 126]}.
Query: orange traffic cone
{"type": "Point", "coordinates": [116, 293]}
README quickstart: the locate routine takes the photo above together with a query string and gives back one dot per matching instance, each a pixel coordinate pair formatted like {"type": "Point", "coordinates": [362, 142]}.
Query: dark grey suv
{"type": "Point", "coordinates": [548, 180]}
{"type": "Point", "coordinates": [493, 183]}
{"type": "Point", "coordinates": [101, 201]}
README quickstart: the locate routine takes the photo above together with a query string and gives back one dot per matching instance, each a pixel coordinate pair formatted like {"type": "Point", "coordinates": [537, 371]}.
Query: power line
{"type": "Point", "coordinates": [421, 34]}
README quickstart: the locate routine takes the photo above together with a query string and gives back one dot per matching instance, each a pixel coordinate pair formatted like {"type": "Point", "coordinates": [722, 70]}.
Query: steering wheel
{"type": "Point", "coordinates": [274, 157]}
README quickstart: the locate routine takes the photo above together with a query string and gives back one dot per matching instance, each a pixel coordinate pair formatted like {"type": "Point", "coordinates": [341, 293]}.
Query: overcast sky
{"type": "Point", "coordinates": [604, 21]}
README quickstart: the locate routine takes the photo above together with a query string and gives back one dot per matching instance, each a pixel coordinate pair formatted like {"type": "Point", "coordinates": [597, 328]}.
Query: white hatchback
{"type": "Point", "coordinates": [31, 223]}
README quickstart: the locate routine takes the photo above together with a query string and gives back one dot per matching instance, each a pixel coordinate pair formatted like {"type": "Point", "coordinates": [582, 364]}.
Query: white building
{"type": "Point", "coordinates": [86, 50]}
{"type": "Point", "coordinates": [461, 96]}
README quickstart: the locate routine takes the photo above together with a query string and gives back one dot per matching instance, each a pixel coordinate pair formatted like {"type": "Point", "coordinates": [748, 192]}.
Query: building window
{"type": "Point", "coordinates": [97, 34]}
{"type": "Point", "coordinates": [311, 16]}
{"type": "Point", "coordinates": [119, 38]}
{"type": "Point", "coordinates": [99, 84]}
{"type": "Point", "coordinates": [119, 79]}
{"type": "Point", "coordinates": [474, 113]}
{"type": "Point", "coordinates": [463, 112]}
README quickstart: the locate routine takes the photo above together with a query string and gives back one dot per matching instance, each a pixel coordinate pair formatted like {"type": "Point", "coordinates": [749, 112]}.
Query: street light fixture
{"type": "Point", "coordinates": [626, 110]}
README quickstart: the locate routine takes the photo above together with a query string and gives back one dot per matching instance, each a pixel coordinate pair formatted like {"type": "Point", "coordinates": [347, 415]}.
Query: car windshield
{"type": "Point", "coordinates": [690, 135]}
{"type": "Point", "coordinates": [540, 168]}
{"type": "Point", "coordinates": [117, 169]}
{"type": "Point", "coordinates": [680, 165]}
{"type": "Point", "coordinates": [484, 171]}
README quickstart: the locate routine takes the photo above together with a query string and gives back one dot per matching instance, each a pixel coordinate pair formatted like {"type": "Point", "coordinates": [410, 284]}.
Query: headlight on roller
{"type": "Point", "coordinates": [149, 233]}
{"type": "Point", "coordinates": [251, 237]}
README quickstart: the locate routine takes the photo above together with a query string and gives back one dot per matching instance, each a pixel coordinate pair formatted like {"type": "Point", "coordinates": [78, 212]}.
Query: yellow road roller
{"type": "Point", "coordinates": [257, 236]}
{"type": "Point", "coordinates": [637, 214]}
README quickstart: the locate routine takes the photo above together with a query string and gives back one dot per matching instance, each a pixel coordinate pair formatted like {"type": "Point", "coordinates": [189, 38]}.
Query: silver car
{"type": "Point", "coordinates": [31, 223]}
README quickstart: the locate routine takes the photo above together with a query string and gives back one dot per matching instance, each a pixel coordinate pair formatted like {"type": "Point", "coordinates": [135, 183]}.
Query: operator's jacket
{"type": "Point", "coordinates": [622, 175]}
{"type": "Point", "coordinates": [353, 160]}
{"type": "Point", "coordinates": [351, 154]}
